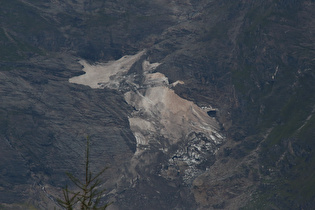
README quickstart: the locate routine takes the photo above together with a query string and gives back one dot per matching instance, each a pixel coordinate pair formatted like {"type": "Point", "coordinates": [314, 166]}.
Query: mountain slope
{"type": "Point", "coordinates": [250, 65]}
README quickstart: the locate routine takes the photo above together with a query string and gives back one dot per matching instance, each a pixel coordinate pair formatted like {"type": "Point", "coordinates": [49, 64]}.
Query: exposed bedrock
{"type": "Point", "coordinates": [193, 104]}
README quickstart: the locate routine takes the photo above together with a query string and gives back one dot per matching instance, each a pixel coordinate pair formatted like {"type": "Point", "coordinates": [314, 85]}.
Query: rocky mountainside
{"type": "Point", "coordinates": [192, 104]}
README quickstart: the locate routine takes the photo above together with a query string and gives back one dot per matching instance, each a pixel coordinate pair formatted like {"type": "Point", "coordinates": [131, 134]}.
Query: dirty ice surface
{"type": "Point", "coordinates": [105, 74]}
{"type": "Point", "coordinates": [159, 112]}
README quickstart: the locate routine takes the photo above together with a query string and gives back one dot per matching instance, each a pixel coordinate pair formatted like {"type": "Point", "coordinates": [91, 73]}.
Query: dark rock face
{"type": "Point", "coordinates": [248, 65]}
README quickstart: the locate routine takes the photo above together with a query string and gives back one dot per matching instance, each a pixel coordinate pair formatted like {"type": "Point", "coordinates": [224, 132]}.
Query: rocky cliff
{"type": "Point", "coordinates": [192, 104]}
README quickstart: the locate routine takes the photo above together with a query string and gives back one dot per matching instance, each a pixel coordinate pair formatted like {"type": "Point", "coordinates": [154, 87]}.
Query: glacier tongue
{"type": "Point", "coordinates": [161, 118]}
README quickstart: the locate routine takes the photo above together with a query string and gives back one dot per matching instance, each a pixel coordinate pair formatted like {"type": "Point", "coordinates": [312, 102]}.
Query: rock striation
{"type": "Point", "coordinates": [194, 104]}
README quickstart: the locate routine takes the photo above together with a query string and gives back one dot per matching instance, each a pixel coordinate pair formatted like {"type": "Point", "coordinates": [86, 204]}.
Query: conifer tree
{"type": "Point", "coordinates": [89, 193]}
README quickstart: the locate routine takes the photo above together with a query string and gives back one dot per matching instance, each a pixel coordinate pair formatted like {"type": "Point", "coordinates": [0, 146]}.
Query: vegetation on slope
{"type": "Point", "coordinates": [275, 81]}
